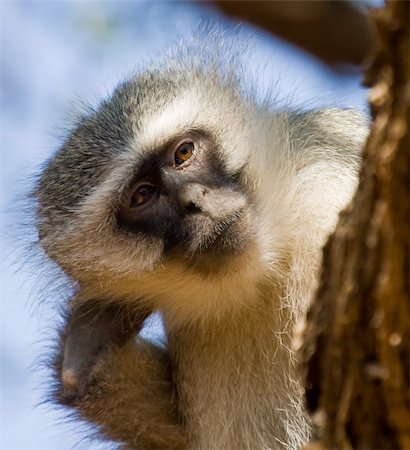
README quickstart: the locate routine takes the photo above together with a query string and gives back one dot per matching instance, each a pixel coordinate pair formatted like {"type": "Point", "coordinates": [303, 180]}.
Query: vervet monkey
{"type": "Point", "coordinates": [184, 194]}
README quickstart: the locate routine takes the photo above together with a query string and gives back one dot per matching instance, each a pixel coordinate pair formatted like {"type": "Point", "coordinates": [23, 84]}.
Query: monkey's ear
{"type": "Point", "coordinates": [90, 330]}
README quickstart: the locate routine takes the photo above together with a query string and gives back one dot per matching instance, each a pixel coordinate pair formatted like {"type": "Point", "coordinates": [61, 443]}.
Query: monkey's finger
{"type": "Point", "coordinates": [82, 347]}
{"type": "Point", "coordinates": [70, 381]}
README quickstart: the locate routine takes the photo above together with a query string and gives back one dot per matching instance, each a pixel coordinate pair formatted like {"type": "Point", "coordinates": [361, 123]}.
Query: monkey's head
{"type": "Point", "coordinates": [148, 198]}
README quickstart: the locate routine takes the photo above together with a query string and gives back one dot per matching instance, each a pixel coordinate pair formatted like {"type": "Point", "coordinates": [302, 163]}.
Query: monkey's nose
{"type": "Point", "coordinates": [191, 197]}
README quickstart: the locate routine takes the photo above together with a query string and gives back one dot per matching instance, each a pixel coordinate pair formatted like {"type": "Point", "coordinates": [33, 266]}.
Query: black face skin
{"type": "Point", "coordinates": [183, 194]}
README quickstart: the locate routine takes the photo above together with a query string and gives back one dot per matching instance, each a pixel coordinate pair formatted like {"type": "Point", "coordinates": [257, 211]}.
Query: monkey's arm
{"type": "Point", "coordinates": [121, 384]}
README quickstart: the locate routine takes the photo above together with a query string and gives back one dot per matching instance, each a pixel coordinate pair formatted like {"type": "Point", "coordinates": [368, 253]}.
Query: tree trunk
{"type": "Point", "coordinates": [356, 341]}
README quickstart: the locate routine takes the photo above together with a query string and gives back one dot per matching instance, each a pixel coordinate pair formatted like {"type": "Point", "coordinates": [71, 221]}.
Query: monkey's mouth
{"type": "Point", "coordinates": [223, 237]}
{"type": "Point", "coordinates": [206, 237]}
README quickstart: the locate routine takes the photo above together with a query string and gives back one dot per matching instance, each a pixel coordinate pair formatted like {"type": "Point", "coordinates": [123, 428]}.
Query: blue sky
{"type": "Point", "coordinates": [55, 54]}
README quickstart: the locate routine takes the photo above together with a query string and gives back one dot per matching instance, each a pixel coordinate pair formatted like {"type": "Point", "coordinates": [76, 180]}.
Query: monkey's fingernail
{"type": "Point", "coordinates": [69, 380]}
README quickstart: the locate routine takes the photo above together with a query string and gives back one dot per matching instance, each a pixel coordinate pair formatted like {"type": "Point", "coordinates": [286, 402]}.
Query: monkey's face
{"type": "Point", "coordinates": [182, 195]}
{"type": "Point", "coordinates": [154, 203]}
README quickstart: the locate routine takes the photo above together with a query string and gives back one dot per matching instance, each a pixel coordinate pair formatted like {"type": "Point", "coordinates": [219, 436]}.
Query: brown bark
{"type": "Point", "coordinates": [332, 30]}
{"type": "Point", "coordinates": [356, 349]}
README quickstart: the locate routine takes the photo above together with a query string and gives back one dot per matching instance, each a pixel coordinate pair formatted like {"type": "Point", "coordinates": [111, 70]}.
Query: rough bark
{"type": "Point", "coordinates": [356, 342]}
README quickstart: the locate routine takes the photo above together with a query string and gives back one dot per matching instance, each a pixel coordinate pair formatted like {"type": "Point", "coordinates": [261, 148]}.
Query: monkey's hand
{"type": "Point", "coordinates": [121, 384]}
{"type": "Point", "coordinates": [91, 329]}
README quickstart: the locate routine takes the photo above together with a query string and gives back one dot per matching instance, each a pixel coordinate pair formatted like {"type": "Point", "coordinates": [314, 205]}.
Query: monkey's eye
{"type": "Point", "coordinates": [143, 195]}
{"type": "Point", "coordinates": [183, 153]}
